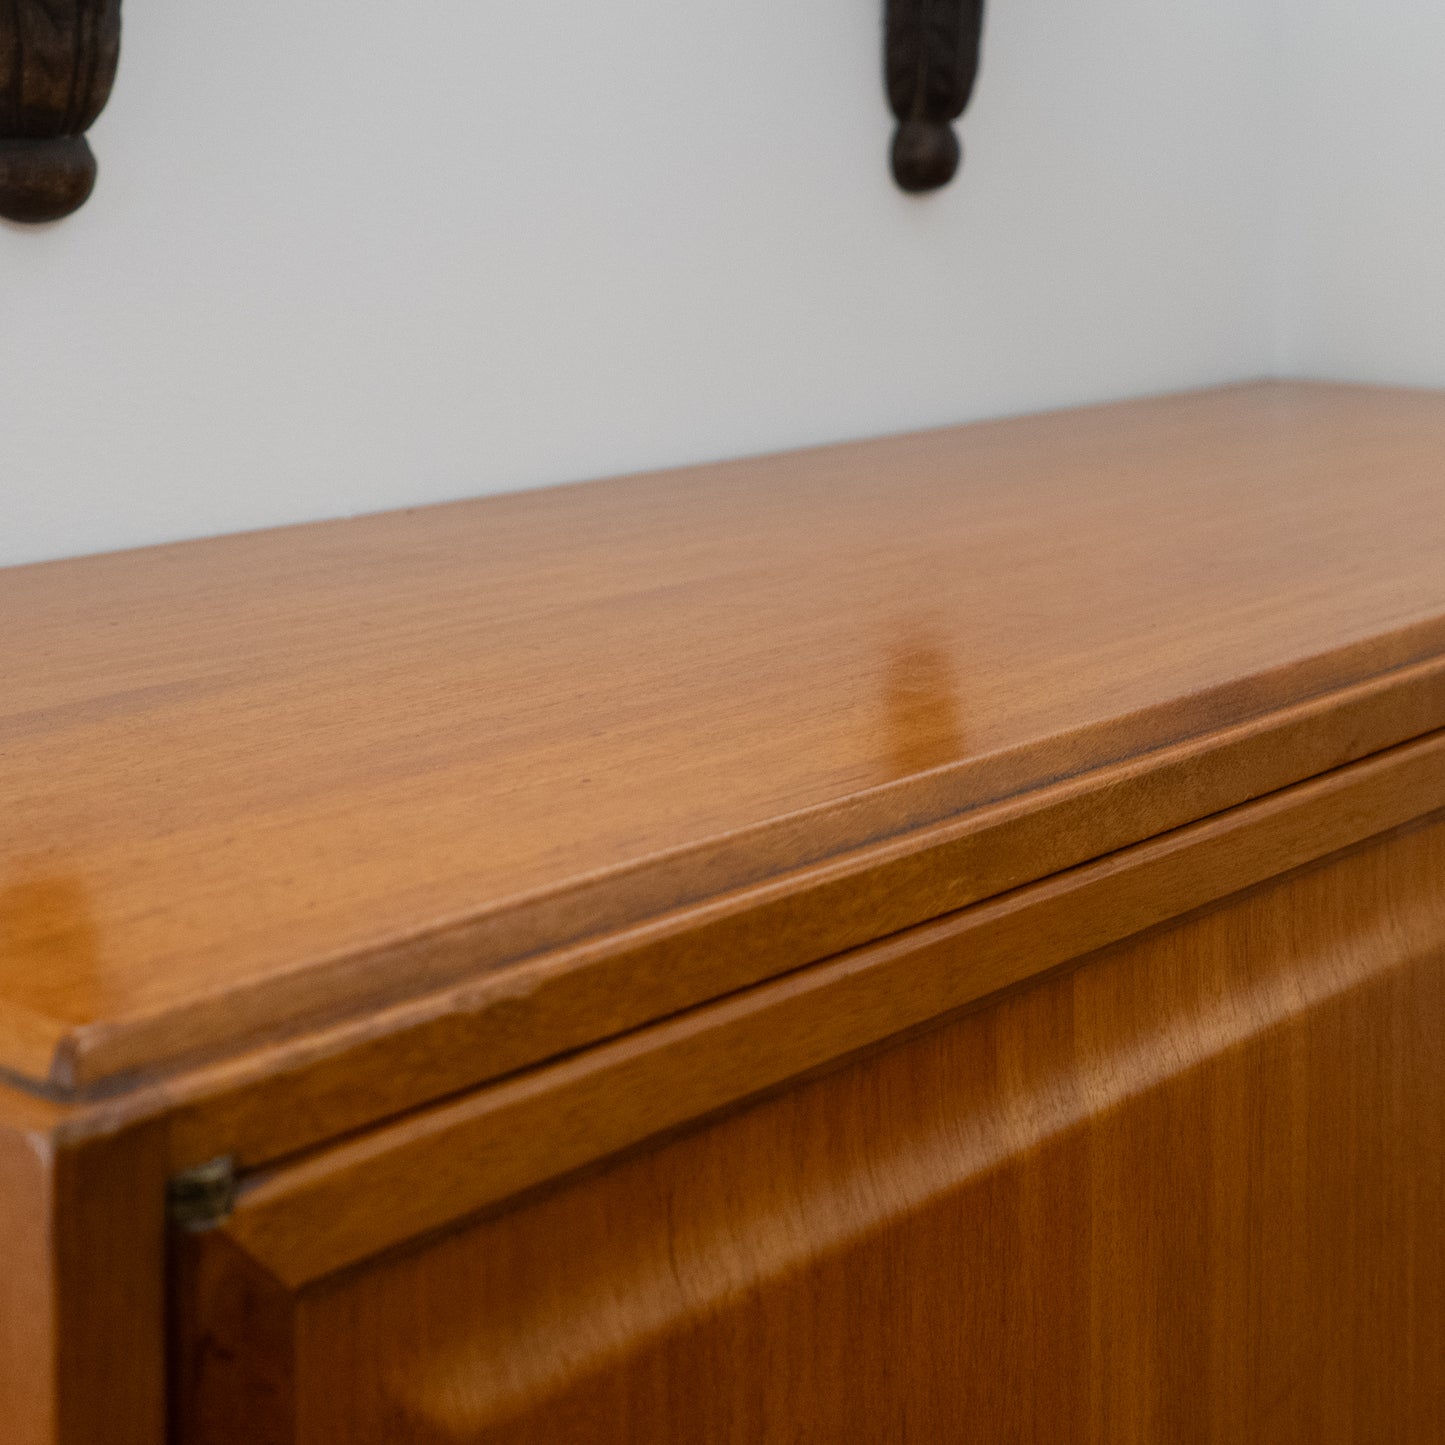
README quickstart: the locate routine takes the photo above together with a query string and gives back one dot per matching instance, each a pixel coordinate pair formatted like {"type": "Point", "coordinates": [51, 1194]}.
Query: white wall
{"type": "Point", "coordinates": [357, 254]}
{"type": "Point", "coordinates": [1362, 250]}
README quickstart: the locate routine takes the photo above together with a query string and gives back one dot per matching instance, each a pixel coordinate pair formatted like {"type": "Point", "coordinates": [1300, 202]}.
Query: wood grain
{"type": "Point", "coordinates": [393, 1184]}
{"type": "Point", "coordinates": [28, 1368]}
{"type": "Point", "coordinates": [82, 1282]}
{"type": "Point", "coordinates": [298, 1090]}
{"type": "Point", "coordinates": [108, 1234]}
{"type": "Point", "coordinates": [219, 1296]}
{"type": "Point", "coordinates": [930, 936]}
{"type": "Point", "coordinates": [1192, 1190]}
{"type": "Point", "coordinates": [258, 784]}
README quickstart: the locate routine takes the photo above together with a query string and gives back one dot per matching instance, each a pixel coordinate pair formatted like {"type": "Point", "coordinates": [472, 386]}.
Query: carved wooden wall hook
{"type": "Point", "coordinates": [932, 63]}
{"type": "Point", "coordinates": [57, 65]}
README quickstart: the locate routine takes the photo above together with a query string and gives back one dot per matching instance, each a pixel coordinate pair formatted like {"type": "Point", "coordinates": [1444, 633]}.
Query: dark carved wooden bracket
{"type": "Point", "coordinates": [57, 65]}
{"type": "Point", "coordinates": [932, 64]}
{"type": "Point", "coordinates": [58, 61]}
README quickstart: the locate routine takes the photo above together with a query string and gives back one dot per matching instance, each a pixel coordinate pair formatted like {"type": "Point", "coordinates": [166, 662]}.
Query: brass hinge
{"type": "Point", "coordinates": [202, 1198]}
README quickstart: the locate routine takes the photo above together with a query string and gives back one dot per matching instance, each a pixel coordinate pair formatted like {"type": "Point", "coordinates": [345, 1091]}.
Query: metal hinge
{"type": "Point", "coordinates": [202, 1198]}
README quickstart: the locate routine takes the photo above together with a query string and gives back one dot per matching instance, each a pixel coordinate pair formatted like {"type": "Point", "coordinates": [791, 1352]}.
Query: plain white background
{"type": "Point", "coordinates": [350, 256]}
{"type": "Point", "coordinates": [1363, 224]}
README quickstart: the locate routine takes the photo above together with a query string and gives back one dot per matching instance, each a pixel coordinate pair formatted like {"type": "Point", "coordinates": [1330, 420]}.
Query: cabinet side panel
{"type": "Point", "coordinates": [27, 1312]}
{"type": "Point", "coordinates": [111, 1261]}
{"type": "Point", "coordinates": [1192, 1190]}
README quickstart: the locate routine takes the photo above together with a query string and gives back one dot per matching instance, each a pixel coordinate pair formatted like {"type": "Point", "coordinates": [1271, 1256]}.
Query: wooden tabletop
{"type": "Point", "coordinates": [255, 783]}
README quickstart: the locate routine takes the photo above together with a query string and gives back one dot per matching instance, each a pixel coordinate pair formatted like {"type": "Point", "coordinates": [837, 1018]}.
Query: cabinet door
{"type": "Point", "coordinates": [1190, 1188]}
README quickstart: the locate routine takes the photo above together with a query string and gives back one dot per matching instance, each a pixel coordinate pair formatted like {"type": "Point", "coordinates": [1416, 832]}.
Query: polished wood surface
{"type": "Point", "coordinates": [27, 1315]}
{"type": "Point", "coordinates": [82, 1280]}
{"type": "Point", "coordinates": [827, 947]}
{"type": "Point", "coordinates": [608, 752]}
{"type": "Point", "coordinates": [292, 1092]}
{"type": "Point", "coordinates": [1190, 1190]}
{"type": "Point", "coordinates": [108, 1238]}
{"type": "Point", "coordinates": [428, 1170]}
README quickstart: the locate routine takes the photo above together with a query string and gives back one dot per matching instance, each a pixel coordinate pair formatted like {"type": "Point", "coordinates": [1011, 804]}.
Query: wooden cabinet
{"type": "Point", "coordinates": [924, 940]}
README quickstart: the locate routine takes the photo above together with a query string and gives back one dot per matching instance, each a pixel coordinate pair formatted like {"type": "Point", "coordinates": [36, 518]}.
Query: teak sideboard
{"type": "Point", "coordinates": [924, 940]}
